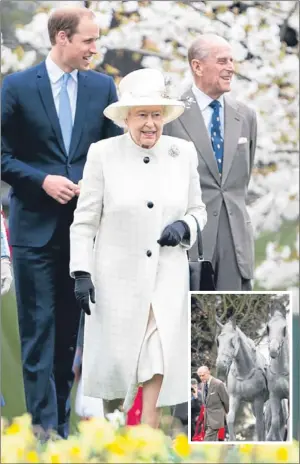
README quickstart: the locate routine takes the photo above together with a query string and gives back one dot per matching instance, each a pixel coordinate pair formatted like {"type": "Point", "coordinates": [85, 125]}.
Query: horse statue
{"type": "Point", "coordinates": [278, 373]}
{"type": "Point", "coordinates": [244, 367]}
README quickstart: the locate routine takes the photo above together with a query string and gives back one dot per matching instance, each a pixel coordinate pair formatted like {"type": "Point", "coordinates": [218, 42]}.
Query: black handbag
{"type": "Point", "coordinates": [201, 270]}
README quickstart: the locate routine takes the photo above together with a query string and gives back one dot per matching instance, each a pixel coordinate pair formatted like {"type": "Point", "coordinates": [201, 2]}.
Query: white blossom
{"type": "Point", "coordinates": [287, 273]}
{"type": "Point", "coordinates": [151, 62]}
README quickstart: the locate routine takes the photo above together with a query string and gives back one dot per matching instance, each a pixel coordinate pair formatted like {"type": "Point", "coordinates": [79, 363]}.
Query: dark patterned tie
{"type": "Point", "coordinates": [216, 136]}
{"type": "Point", "coordinates": [206, 391]}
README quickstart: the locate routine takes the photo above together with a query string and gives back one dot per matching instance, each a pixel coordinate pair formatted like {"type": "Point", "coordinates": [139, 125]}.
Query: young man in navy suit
{"type": "Point", "coordinates": [51, 113]}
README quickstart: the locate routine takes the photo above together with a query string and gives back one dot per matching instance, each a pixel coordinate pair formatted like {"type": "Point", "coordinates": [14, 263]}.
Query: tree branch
{"type": "Point", "coordinates": [286, 151]}
{"type": "Point", "coordinates": [285, 21]}
{"type": "Point", "coordinates": [144, 52]}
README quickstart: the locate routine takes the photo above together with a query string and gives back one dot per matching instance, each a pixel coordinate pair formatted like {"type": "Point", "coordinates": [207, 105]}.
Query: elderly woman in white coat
{"type": "Point", "coordinates": [140, 200]}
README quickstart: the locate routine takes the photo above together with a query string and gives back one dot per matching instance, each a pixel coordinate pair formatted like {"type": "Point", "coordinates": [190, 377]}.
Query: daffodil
{"type": "Point", "coordinates": [99, 440]}
{"type": "Point", "coordinates": [32, 457]}
{"type": "Point", "coordinates": [55, 453]}
{"type": "Point", "coordinates": [96, 433]}
{"type": "Point", "coordinates": [75, 449]}
{"type": "Point", "coordinates": [282, 454]}
{"type": "Point", "coordinates": [181, 446]}
{"type": "Point", "coordinates": [149, 442]}
{"type": "Point", "coordinates": [22, 430]}
{"type": "Point", "coordinates": [279, 453]}
{"type": "Point", "coordinates": [246, 448]}
{"type": "Point", "coordinates": [13, 429]}
{"type": "Point", "coordinates": [209, 453]}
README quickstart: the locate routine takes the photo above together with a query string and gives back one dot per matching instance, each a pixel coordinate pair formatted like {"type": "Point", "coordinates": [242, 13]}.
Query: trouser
{"type": "Point", "coordinates": [48, 323]}
{"type": "Point", "coordinates": [210, 434]}
{"type": "Point", "coordinates": [180, 412]}
{"type": "Point", "coordinates": [227, 273]}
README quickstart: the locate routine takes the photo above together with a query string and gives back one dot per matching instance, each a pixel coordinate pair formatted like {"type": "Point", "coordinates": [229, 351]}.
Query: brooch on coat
{"type": "Point", "coordinates": [174, 151]}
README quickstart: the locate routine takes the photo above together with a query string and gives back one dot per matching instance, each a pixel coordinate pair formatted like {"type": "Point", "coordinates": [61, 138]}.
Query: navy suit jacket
{"type": "Point", "coordinates": [32, 146]}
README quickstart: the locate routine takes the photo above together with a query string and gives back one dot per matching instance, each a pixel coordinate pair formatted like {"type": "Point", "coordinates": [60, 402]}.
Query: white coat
{"type": "Point", "coordinates": [125, 202]}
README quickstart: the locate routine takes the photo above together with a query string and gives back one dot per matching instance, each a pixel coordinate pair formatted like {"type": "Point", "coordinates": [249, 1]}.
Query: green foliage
{"type": "Point", "coordinates": [11, 366]}
{"type": "Point", "coordinates": [12, 386]}
{"type": "Point", "coordinates": [286, 235]}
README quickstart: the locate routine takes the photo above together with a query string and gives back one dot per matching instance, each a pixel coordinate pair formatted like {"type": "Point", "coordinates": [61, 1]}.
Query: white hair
{"type": "Point", "coordinates": [124, 111]}
{"type": "Point", "coordinates": [204, 368]}
{"type": "Point", "coordinates": [201, 47]}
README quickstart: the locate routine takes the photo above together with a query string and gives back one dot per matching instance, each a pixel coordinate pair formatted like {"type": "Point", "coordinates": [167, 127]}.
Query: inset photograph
{"type": "Point", "coordinates": [240, 367]}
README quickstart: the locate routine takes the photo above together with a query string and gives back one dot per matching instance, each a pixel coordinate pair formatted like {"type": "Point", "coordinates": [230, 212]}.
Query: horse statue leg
{"type": "Point", "coordinates": [267, 416]}
{"type": "Point", "coordinates": [284, 426]}
{"type": "Point", "coordinates": [276, 411]}
{"type": "Point", "coordinates": [258, 409]}
{"type": "Point", "coordinates": [234, 402]}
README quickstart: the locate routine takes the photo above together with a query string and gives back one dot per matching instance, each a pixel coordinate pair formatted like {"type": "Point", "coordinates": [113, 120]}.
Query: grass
{"type": "Point", "coordinates": [12, 386]}
{"type": "Point", "coordinates": [286, 235]}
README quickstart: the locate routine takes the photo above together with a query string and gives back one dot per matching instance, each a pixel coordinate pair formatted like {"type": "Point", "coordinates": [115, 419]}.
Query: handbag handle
{"type": "Point", "coordinates": [199, 241]}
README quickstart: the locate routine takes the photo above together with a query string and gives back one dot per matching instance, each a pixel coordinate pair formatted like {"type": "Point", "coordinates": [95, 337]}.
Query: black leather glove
{"type": "Point", "coordinates": [84, 289]}
{"type": "Point", "coordinates": [173, 234]}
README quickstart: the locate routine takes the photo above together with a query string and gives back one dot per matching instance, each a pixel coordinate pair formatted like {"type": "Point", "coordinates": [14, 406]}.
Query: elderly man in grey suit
{"type": "Point", "coordinates": [216, 401]}
{"type": "Point", "coordinates": [224, 133]}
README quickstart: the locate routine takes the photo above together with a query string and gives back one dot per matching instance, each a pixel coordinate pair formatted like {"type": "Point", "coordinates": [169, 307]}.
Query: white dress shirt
{"type": "Point", "coordinates": [203, 102]}
{"type": "Point", "coordinates": [56, 79]}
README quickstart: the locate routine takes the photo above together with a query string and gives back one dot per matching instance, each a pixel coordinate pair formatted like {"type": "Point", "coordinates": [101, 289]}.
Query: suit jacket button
{"type": "Point", "coordinates": [146, 159]}
{"type": "Point", "coordinates": [215, 213]}
{"type": "Point", "coordinates": [149, 253]}
{"type": "Point", "coordinates": [150, 204]}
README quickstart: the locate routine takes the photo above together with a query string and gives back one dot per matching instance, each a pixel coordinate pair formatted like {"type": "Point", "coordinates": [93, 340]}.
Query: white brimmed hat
{"type": "Point", "coordinates": [144, 87]}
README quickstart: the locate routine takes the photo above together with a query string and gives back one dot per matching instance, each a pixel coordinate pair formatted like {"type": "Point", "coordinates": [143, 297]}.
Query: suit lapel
{"type": "Point", "coordinates": [233, 124]}
{"type": "Point", "coordinates": [211, 388]}
{"type": "Point", "coordinates": [46, 95]}
{"type": "Point", "coordinates": [193, 122]}
{"type": "Point", "coordinates": [81, 106]}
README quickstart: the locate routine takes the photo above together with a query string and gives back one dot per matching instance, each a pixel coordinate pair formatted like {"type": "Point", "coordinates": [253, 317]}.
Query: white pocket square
{"type": "Point", "coordinates": [212, 393]}
{"type": "Point", "coordinates": [242, 140]}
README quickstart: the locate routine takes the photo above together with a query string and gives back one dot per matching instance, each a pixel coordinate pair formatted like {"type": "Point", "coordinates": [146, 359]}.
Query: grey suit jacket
{"type": "Point", "coordinates": [231, 188]}
{"type": "Point", "coordinates": [216, 404]}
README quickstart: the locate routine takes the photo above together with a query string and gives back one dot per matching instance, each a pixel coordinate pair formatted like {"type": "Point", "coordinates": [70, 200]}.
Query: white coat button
{"type": "Point", "coordinates": [146, 159]}
{"type": "Point", "coordinates": [150, 204]}
{"type": "Point", "coordinates": [149, 253]}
